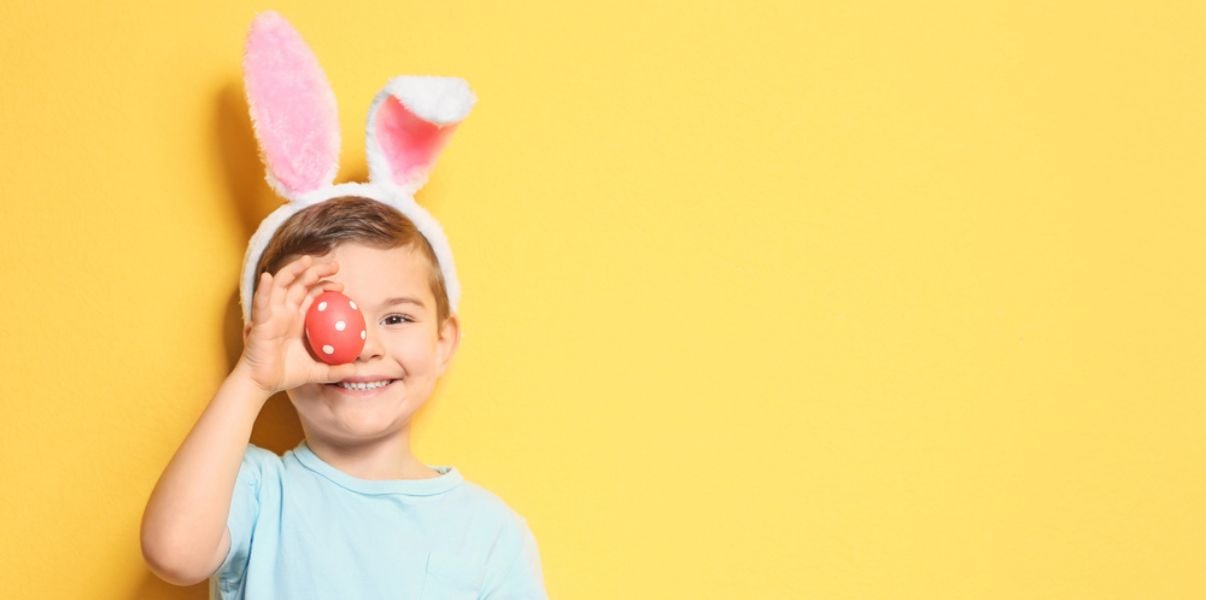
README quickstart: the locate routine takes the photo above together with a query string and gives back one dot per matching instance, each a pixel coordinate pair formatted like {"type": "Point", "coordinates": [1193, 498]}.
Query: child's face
{"type": "Point", "coordinates": [402, 344]}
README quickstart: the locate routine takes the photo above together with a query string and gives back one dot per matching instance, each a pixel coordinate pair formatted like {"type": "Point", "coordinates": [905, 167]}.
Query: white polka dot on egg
{"type": "Point", "coordinates": [340, 325]}
{"type": "Point", "coordinates": [329, 349]}
{"type": "Point", "coordinates": [353, 304]}
{"type": "Point", "coordinates": [322, 306]}
{"type": "Point", "coordinates": [363, 334]}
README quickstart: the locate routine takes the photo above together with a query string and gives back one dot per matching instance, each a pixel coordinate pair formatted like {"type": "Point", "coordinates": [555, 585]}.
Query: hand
{"type": "Point", "coordinates": [275, 354]}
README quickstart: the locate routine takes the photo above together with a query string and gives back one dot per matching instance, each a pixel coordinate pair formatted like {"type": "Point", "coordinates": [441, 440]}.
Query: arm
{"type": "Point", "coordinates": [523, 579]}
{"type": "Point", "coordinates": [184, 534]}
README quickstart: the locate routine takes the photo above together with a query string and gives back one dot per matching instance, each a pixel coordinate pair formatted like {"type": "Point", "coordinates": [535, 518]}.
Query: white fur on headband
{"type": "Point", "coordinates": [296, 124]}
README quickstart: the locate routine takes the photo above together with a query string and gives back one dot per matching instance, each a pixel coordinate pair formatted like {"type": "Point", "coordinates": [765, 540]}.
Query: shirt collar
{"type": "Point", "coordinates": [449, 477]}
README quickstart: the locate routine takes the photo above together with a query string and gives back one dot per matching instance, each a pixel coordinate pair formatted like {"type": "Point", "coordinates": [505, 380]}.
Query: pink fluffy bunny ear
{"type": "Point", "coordinates": [409, 123]}
{"type": "Point", "coordinates": [292, 108]}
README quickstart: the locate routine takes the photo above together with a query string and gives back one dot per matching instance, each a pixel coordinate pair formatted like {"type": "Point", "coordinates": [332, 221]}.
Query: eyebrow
{"type": "Point", "coordinates": [402, 300]}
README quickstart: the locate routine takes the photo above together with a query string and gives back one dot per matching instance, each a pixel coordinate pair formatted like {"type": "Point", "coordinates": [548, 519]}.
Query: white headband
{"type": "Point", "coordinates": [297, 126]}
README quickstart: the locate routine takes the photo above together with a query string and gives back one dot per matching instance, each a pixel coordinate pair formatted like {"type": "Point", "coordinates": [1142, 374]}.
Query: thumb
{"type": "Point", "coordinates": [339, 372]}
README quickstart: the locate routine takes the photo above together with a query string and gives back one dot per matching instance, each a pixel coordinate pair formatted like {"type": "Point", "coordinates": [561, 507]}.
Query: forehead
{"type": "Point", "coordinates": [372, 275]}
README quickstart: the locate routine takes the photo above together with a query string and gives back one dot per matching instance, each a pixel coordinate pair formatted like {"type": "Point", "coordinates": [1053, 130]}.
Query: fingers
{"type": "Point", "coordinates": [333, 373]}
{"type": "Point", "coordinates": [259, 302]}
{"type": "Point", "coordinates": [289, 272]}
{"type": "Point", "coordinates": [284, 278]}
{"type": "Point", "coordinates": [306, 280]}
{"type": "Point", "coordinates": [291, 290]}
{"type": "Point", "coordinates": [314, 292]}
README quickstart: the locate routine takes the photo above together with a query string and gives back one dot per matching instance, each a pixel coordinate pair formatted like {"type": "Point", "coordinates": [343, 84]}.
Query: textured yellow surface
{"type": "Point", "coordinates": [761, 300]}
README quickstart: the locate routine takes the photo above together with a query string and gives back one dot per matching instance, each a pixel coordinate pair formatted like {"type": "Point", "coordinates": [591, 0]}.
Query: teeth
{"type": "Point", "coordinates": [364, 386]}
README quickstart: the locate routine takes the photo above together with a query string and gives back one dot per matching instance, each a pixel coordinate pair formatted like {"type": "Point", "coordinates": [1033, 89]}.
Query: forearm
{"type": "Point", "coordinates": [185, 517]}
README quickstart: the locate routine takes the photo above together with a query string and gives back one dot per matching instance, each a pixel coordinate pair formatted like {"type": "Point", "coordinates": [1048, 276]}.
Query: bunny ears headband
{"type": "Point", "coordinates": [297, 127]}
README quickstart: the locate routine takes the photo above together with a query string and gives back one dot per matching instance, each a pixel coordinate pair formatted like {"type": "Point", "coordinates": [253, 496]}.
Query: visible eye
{"type": "Point", "coordinates": [404, 318]}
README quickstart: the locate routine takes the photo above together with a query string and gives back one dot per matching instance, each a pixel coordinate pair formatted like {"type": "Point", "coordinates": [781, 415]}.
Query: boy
{"type": "Point", "coordinates": [350, 512]}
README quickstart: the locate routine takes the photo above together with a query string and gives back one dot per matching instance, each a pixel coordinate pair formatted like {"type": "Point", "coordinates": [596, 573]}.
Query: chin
{"type": "Point", "coordinates": [370, 425]}
{"type": "Point", "coordinates": [349, 436]}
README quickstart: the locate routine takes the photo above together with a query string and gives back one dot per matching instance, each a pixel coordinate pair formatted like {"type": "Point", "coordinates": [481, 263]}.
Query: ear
{"type": "Point", "coordinates": [449, 339]}
{"type": "Point", "coordinates": [409, 123]}
{"type": "Point", "coordinates": [292, 108]}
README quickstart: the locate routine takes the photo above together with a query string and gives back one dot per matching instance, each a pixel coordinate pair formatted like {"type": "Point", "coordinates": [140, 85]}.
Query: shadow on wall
{"type": "Point", "coordinates": [277, 427]}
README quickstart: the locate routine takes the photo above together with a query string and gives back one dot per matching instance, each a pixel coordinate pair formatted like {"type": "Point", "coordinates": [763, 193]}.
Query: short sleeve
{"type": "Point", "coordinates": [244, 510]}
{"type": "Point", "coordinates": [523, 578]}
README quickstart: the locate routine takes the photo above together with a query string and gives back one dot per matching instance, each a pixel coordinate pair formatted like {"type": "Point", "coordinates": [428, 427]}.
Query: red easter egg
{"type": "Point", "coordinates": [335, 328]}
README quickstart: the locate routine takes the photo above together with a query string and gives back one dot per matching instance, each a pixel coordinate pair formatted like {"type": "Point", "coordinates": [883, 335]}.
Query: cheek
{"type": "Point", "coordinates": [414, 352]}
{"type": "Point", "coordinates": [304, 398]}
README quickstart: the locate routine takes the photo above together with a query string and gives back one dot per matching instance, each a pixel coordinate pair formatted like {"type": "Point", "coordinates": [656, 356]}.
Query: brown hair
{"type": "Point", "coordinates": [318, 228]}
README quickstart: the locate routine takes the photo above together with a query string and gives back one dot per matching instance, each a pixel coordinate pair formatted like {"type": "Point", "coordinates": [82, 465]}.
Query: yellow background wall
{"type": "Point", "coordinates": [762, 300]}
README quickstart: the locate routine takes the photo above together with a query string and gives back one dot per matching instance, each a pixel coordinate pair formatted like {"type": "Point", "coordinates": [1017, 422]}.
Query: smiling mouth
{"type": "Point", "coordinates": [362, 389]}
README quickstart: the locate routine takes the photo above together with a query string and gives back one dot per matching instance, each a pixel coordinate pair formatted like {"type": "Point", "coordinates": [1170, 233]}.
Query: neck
{"type": "Point", "coordinates": [387, 458]}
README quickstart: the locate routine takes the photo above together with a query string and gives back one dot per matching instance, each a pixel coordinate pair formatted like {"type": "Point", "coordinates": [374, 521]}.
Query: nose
{"type": "Point", "coordinates": [372, 344]}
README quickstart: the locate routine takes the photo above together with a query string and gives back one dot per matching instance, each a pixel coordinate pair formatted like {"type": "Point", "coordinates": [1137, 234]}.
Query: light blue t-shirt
{"type": "Point", "coordinates": [300, 528]}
